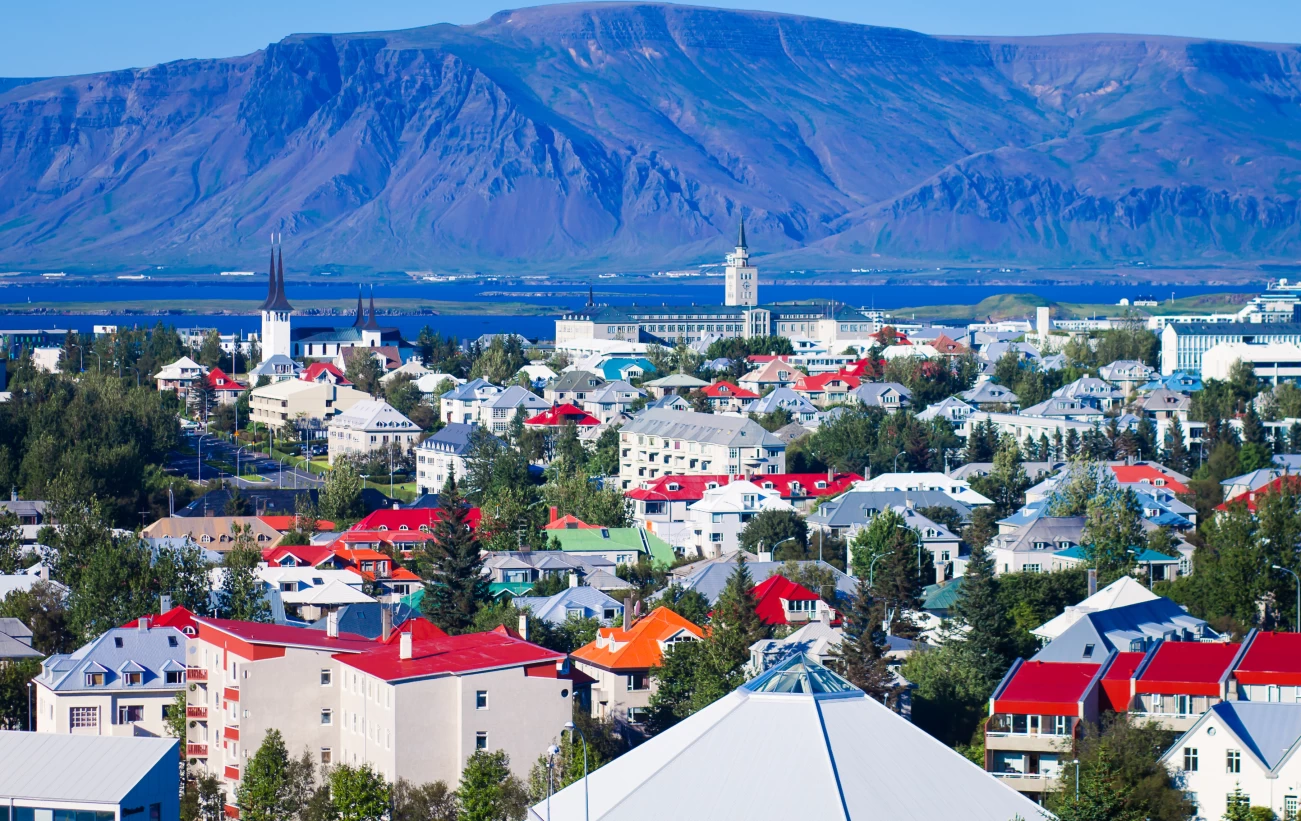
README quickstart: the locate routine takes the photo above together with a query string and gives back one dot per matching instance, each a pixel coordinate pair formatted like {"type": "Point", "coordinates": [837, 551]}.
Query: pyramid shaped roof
{"type": "Point", "coordinates": [841, 755]}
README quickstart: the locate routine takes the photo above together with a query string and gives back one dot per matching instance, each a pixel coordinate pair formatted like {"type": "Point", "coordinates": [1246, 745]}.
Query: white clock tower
{"type": "Point", "coordinates": [742, 280]}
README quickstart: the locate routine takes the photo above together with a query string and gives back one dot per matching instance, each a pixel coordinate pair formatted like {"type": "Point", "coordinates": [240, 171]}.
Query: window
{"type": "Point", "coordinates": [1291, 806]}
{"type": "Point", "coordinates": [1088, 651]}
{"type": "Point", "coordinates": [130, 714]}
{"type": "Point", "coordinates": [480, 741]}
{"type": "Point", "coordinates": [94, 679]}
{"type": "Point", "coordinates": [132, 679]}
{"type": "Point", "coordinates": [167, 711]}
{"type": "Point", "coordinates": [327, 755]}
{"type": "Point", "coordinates": [1233, 761]}
{"type": "Point", "coordinates": [175, 676]}
{"type": "Point", "coordinates": [83, 717]}
{"type": "Point", "coordinates": [638, 681]}
{"type": "Point", "coordinates": [481, 700]}
{"type": "Point", "coordinates": [325, 678]}
{"type": "Point", "coordinates": [327, 716]}
{"type": "Point", "coordinates": [117, 642]}
{"type": "Point", "coordinates": [171, 641]}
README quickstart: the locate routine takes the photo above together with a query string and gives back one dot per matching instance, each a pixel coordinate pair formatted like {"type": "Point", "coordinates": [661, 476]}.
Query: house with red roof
{"type": "Point", "coordinates": [225, 390]}
{"type": "Point", "coordinates": [1146, 473]}
{"type": "Point", "coordinates": [826, 389]}
{"type": "Point", "coordinates": [621, 658]}
{"type": "Point", "coordinates": [946, 346]}
{"type": "Point", "coordinates": [430, 700]}
{"type": "Point", "coordinates": [407, 519]}
{"type": "Point", "coordinates": [181, 618]}
{"type": "Point", "coordinates": [775, 372]}
{"type": "Point", "coordinates": [1269, 668]}
{"type": "Point", "coordinates": [727, 396]}
{"type": "Point", "coordinates": [1036, 717]}
{"type": "Point", "coordinates": [326, 372]}
{"type": "Point", "coordinates": [1180, 680]}
{"type": "Point", "coordinates": [1252, 498]}
{"type": "Point", "coordinates": [284, 524]}
{"type": "Point", "coordinates": [782, 601]}
{"type": "Point", "coordinates": [557, 417]}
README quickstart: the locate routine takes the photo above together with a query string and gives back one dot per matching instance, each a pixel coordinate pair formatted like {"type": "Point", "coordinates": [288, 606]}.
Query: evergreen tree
{"type": "Point", "coordinates": [1113, 525]}
{"type": "Point", "coordinates": [455, 586]}
{"type": "Point", "coordinates": [1044, 452]}
{"type": "Point", "coordinates": [263, 783]}
{"type": "Point", "coordinates": [675, 695]}
{"type": "Point", "coordinates": [1103, 795]}
{"type": "Point", "coordinates": [735, 624]}
{"type": "Point", "coordinates": [488, 791]}
{"type": "Point", "coordinates": [861, 656]}
{"type": "Point", "coordinates": [1072, 443]}
{"type": "Point", "coordinates": [428, 802]}
{"type": "Point", "coordinates": [979, 609]}
{"type": "Point", "coordinates": [1294, 438]}
{"type": "Point", "coordinates": [1145, 436]}
{"type": "Point", "coordinates": [340, 496]}
{"type": "Point", "coordinates": [240, 596]}
{"type": "Point", "coordinates": [1007, 482]}
{"type": "Point", "coordinates": [1176, 456]}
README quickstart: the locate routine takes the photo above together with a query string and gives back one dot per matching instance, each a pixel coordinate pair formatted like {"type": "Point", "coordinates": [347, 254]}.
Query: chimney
{"type": "Point", "coordinates": [553, 512]}
{"type": "Point", "coordinates": [144, 624]}
{"type": "Point", "coordinates": [13, 494]}
{"type": "Point", "coordinates": [1093, 581]}
{"type": "Point", "coordinates": [524, 626]}
{"type": "Point", "coordinates": [43, 572]}
{"type": "Point", "coordinates": [765, 555]}
{"type": "Point", "coordinates": [385, 623]}
{"type": "Point", "coordinates": [164, 603]}
{"type": "Point", "coordinates": [573, 580]}
{"type": "Point", "coordinates": [332, 624]}
{"type": "Point", "coordinates": [404, 646]}
{"type": "Point", "coordinates": [627, 612]}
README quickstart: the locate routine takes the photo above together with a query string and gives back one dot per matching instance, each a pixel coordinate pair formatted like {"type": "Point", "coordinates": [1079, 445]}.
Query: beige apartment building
{"type": "Point", "coordinates": [369, 426]}
{"type": "Point", "coordinates": [280, 403]}
{"type": "Point", "coordinates": [684, 443]}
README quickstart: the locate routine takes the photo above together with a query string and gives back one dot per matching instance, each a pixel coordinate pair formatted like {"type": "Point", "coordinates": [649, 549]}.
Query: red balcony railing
{"type": "Point", "coordinates": [196, 750]}
{"type": "Point", "coordinates": [196, 712]}
{"type": "Point", "coordinates": [230, 734]}
{"type": "Point", "coordinates": [232, 773]}
{"type": "Point", "coordinates": [196, 674]}
{"type": "Point", "coordinates": [231, 694]}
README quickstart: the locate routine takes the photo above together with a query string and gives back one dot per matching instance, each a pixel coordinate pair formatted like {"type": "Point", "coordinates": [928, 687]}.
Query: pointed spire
{"type": "Point", "coordinates": [740, 240]}
{"type": "Point", "coordinates": [371, 323]}
{"type": "Point", "coordinates": [591, 296]}
{"type": "Point", "coordinates": [276, 300]}
{"type": "Point", "coordinates": [361, 312]}
{"type": "Point", "coordinates": [271, 279]}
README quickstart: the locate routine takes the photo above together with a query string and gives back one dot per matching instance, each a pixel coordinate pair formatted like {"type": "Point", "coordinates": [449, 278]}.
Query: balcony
{"type": "Point", "coordinates": [196, 674]}
{"type": "Point", "coordinates": [231, 773]}
{"type": "Point", "coordinates": [196, 750]}
{"type": "Point", "coordinates": [1021, 742]}
{"type": "Point", "coordinates": [231, 694]}
{"type": "Point", "coordinates": [1028, 782]}
{"type": "Point", "coordinates": [230, 734]}
{"type": "Point", "coordinates": [200, 713]}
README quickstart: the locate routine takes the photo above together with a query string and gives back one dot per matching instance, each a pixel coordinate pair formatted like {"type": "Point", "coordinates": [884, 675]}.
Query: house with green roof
{"type": "Point", "coordinates": [621, 545]}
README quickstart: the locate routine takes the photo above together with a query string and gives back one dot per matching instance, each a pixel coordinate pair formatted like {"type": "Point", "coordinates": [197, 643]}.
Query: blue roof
{"type": "Point", "coordinates": [555, 609]}
{"type": "Point", "coordinates": [612, 368]}
{"type": "Point", "coordinates": [1268, 730]}
{"type": "Point", "coordinates": [154, 652]}
{"type": "Point", "coordinates": [453, 438]}
{"type": "Point", "coordinates": [1131, 628]}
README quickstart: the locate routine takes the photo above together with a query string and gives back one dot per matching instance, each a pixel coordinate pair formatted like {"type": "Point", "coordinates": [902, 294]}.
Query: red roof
{"type": "Point", "coordinates": [1252, 497]}
{"type": "Point", "coordinates": [1272, 658]}
{"type": "Point", "coordinates": [287, 523]}
{"type": "Point", "coordinates": [419, 628]}
{"type": "Point", "coordinates": [324, 372]}
{"type": "Point", "coordinates": [402, 539]}
{"type": "Point", "coordinates": [305, 555]}
{"type": "Point", "coordinates": [563, 415]}
{"type": "Point", "coordinates": [789, 485]}
{"type": "Point", "coordinates": [1053, 688]}
{"type": "Point", "coordinates": [1116, 681]}
{"type": "Point", "coordinates": [765, 358]}
{"type": "Point", "coordinates": [819, 382]}
{"type": "Point", "coordinates": [770, 594]}
{"type": "Point", "coordinates": [723, 389]}
{"type": "Point", "coordinates": [1187, 668]}
{"type": "Point", "coordinates": [638, 647]}
{"type": "Point", "coordinates": [450, 655]}
{"type": "Point", "coordinates": [407, 519]}
{"type": "Point", "coordinates": [219, 381]}
{"type": "Point", "coordinates": [1147, 475]}
{"type": "Point", "coordinates": [569, 522]}
{"type": "Point", "coordinates": [945, 345]}
{"type": "Point", "coordinates": [284, 636]}
{"type": "Point", "coordinates": [179, 617]}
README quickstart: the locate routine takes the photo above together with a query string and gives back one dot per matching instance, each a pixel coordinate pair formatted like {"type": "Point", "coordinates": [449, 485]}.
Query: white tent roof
{"type": "Point", "coordinates": [797, 742]}
{"type": "Point", "coordinates": [1123, 591]}
{"type": "Point", "coordinates": [48, 766]}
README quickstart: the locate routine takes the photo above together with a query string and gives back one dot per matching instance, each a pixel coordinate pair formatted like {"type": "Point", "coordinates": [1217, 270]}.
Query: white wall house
{"type": "Point", "coordinates": [661, 441]}
{"type": "Point", "coordinates": [716, 521]}
{"type": "Point", "coordinates": [368, 426]}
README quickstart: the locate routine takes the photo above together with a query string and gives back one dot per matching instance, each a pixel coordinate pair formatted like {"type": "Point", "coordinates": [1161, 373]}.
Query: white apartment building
{"type": "Point", "coordinates": [1272, 362]}
{"type": "Point", "coordinates": [1240, 745]}
{"type": "Point", "coordinates": [660, 441]}
{"type": "Point", "coordinates": [441, 456]}
{"type": "Point", "coordinates": [1182, 346]}
{"type": "Point", "coordinates": [716, 521]}
{"type": "Point", "coordinates": [612, 400]}
{"type": "Point", "coordinates": [370, 425]}
{"type": "Point", "coordinates": [122, 683]}
{"type": "Point", "coordinates": [485, 404]}
{"type": "Point", "coordinates": [959, 489]}
{"type": "Point", "coordinates": [281, 403]}
{"type": "Point", "coordinates": [461, 403]}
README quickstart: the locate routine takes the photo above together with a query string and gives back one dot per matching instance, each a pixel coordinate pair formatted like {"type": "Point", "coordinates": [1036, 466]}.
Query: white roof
{"type": "Point", "coordinates": [107, 768]}
{"type": "Point", "coordinates": [785, 747]}
{"type": "Point", "coordinates": [1124, 591]}
{"type": "Point", "coordinates": [373, 415]}
{"type": "Point", "coordinates": [331, 593]}
{"type": "Point", "coordinates": [411, 368]}
{"type": "Point", "coordinates": [728, 499]}
{"type": "Point", "coordinates": [177, 369]}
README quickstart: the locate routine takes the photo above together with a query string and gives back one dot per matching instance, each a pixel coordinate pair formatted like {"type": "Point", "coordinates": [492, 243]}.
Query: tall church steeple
{"type": "Point", "coordinates": [276, 337]}
{"type": "Point", "coordinates": [361, 312]}
{"type": "Point", "coordinates": [741, 281]}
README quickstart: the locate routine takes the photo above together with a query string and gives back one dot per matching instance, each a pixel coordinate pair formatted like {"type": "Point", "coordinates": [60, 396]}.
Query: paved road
{"type": "Point", "coordinates": [220, 450]}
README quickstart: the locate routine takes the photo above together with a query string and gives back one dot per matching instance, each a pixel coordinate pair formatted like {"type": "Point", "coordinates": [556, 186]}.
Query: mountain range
{"type": "Point", "coordinates": [634, 137]}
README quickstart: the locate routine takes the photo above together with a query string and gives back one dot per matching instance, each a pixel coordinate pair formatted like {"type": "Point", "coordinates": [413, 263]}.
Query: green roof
{"type": "Point", "coordinates": [593, 540]}
{"type": "Point", "coordinates": [496, 589]}
{"type": "Point", "coordinates": [414, 599]}
{"type": "Point", "coordinates": [941, 596]}
{"type": "Point", "coordinates": [1074, 552]}
{"type": "Point", "coordinates": [1155, 558]}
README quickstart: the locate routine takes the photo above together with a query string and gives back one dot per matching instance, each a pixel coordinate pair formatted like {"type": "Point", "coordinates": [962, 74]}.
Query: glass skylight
{"type": "Point", "coordinates": [801, 675]}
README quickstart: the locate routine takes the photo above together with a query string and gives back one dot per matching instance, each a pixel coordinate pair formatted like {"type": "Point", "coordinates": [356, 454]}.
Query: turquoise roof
{"type": "Point", "coordinates": [613, 368]}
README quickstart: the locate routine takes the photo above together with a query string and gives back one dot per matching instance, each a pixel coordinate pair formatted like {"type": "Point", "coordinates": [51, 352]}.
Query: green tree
{"type": "Point", "coordinates": [577, 495]}
{"type": "Point", "coordinates": [566, 768]}
{"type": "Point", "coordinates": [861, 655]}
{"type": "Point", "coordinates": [676, 695]}
{"type": "Point", "coordinates": [11, 545]}
{"type": "Point", "coordinates": [1007, 482]}
{"type": "Point", "coordinates": [1175, 455]}
{"type": "Point", "coordinates": [263, 787]}
{"type": "Point", "coordinates": [455, 586]}
{"type": "Point", "coordinates": [689, 604]}
{"type": "Point", "coordinates": [183, 572]}
{"type": "Point", "coordinates": [210, 353]}
{"type": "Point", "coordinates": [15, 674]}
{"type": "Point", "coordinates": [1113, 524]}
{"type": "Point", "coordinates": [204, 799]}
{"type": "Point", "coordinates": [979, 609]}
{"type": "Point", "coordinates": [43, 609]}
{"type": "Point", "coordinates": [427, 802]}
{"type": "Point", "coordinates": [488, 791]}
{"type": "Point", "coordinates": [240, 595]}
{"type": "Point", "coordinates": [340, 496]}
{"type": "Point", "coordinates": [175, 719]}
{"type": "Point", "coordinates": [1121, 776]}
{"type": "Point", "coordinates": [784, 532]}
{"type": "Point", "coordinates": [364, 371]}
{"type": "Point", "coordinates": [358, 793]}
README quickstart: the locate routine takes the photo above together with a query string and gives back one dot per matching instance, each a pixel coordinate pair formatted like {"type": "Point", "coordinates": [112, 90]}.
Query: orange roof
{"type": "Point", "coordinates": [287, 523]}
{"type": "Point", "coordinates": [569, 522]}
{"type": "Point", "coordinates": [361, 554]}
{"type": "Point", "coordinates": [638, 647]}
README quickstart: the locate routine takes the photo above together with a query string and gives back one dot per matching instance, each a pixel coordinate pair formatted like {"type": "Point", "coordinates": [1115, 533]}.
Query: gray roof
{"type": "Point", "coordinates": [669, 402]}
{"type": "Point", "coordinates": [783, 398]}
{"type": "Point", "coordinates": [677, 380]}
{"type": "Point", "coordinates": [1051, 529]}
{"type": "Point", "coordinates": [1061, 407]}
{"type": "Point", "coordinates": [857, 507]}
{"type": "Point", "coordinates": [92, 768]}
{"type": "Point", "coordinates": [468, 392]}
{"type": "Point", "coordinates": [515, 396]}
{"type": "Point", "coordinates": [24, 507]}
{"type": "Point", "coordinates": [1132, 628]}
{"type": "Point", "coordinates": [790, 432]}
{"type": "Point", "coordinates": [268, 366]}
{"type": "Point", "coordinates": [733, 431]}
{"type": "Point", "coordinates": [16, 640]}
{"type": "Point", "coordinates": [943, 409]}
{"type": "Point", "coordinates": [988, 393]}
{"type": "Point", "coordinates": [16, 629]}
{"type": "Point", "coordinates": [1032, 469]}
{"type": "Point", "coordinates": [555, 609]}
{"type": "Point", "coordinates": [577, 381]}
{"type": "Point", "coordinates": [870, 393]}
{"type": "Point", "coordinates": [152, 652]}
{"type": "Point", "coordinates": [454, 438]}
{"type": "Point", "coordinates": [1241, 329]}
{"type": "Point", "coordinates": [710, 579]}
{"type": "Point", "coordinates": [1268, 730]}
{"type": "Point", "coordinates": [366, 618]}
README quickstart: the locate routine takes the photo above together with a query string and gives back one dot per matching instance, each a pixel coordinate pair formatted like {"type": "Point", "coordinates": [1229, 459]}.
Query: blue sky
{"type": "Point", "coordinates": [53, 37]}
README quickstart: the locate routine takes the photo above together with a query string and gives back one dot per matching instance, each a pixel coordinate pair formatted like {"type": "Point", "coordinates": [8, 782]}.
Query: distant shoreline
{"type": "Point", "coordinates": [303, 308]}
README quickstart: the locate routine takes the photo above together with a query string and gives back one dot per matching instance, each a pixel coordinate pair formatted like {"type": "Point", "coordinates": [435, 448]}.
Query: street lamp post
{"type": "Point", "coordinates": [871, 568]}
{"type": "Point", "coordinates": [280, 482]}
{"type": "Point", "coordinates": [30, 687]}
{"type": "Point", "coordinates": [237, 452]}
{"type": "Point", "coordinates": [1077, 779]}
{"type": "Point", "coordinates": [1297, 618]}
{"type": "Point", "coordinates": [773, 549]}
{"type": "Point", "coordinates": [551, 768]}
{"type": "Point", "coordinates": [569, 725]}
{"type": "Point", "coordinates": [896, 461]}
{"type": "Point", "coordinates": [200, 443]}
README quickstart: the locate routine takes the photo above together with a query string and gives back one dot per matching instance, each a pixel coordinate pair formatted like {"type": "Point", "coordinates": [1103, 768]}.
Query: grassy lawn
{"type": "Point", "coordinates": [406, 491]}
